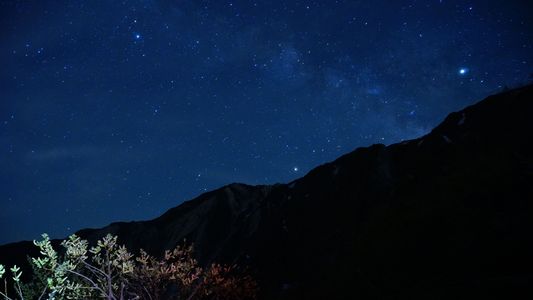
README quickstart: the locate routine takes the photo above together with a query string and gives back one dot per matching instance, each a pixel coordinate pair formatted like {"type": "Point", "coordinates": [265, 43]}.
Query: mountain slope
{"type": "Point", "coordinates": [444, 215]}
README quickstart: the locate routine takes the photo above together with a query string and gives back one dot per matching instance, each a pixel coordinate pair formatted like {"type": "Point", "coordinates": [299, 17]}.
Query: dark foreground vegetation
{"type": "Point", "coordinates": [110, 271]}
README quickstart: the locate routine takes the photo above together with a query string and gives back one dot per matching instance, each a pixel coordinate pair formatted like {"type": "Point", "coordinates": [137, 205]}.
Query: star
{"type": "Point", "coordinates": [463, 71]}
{"type": "Point", "coordinates": [295, 169]}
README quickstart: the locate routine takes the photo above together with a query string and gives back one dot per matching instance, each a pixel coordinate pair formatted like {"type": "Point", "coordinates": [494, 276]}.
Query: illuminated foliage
{"type": "Point", "coordinates": [109, 271]}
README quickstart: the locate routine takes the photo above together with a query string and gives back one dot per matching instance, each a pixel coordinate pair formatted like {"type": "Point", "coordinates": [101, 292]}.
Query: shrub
{"type": "Point", "coordinates": [109, 271]}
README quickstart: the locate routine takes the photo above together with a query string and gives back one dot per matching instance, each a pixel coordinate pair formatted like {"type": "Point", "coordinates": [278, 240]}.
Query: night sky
{"type": "Point", "coordinates": [119, 110]}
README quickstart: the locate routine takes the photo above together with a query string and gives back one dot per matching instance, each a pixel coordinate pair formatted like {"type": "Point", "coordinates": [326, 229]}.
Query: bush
{"type": "Point", "coordinates": [109, 271]}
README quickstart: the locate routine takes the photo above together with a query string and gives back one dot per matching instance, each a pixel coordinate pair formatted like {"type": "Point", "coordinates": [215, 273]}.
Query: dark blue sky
{"type": "Point", "coordinates": [118, 110]}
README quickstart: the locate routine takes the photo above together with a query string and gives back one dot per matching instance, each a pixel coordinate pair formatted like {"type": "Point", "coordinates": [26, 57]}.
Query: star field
{"type": "Point", "coordinates": [120, 110]}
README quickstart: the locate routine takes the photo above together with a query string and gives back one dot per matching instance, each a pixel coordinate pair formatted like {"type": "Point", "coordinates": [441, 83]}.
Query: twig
{"type": "Point", "coordinates": [42, 293]}
{"type": "Point", "coordinates": [196, 289]}
{"type": "Point", "coordinates": [147, 293]}
{"type": "Point", "coordinates": [19, 291]}
{"type": "Point", "coordinates": [5, 289]}
{"type": "Point", "coordinates": [5, 296]}
{"type": "Point", "coordinates": [89, 280]}
{"type": "Point", "coordinates": [93, 268]}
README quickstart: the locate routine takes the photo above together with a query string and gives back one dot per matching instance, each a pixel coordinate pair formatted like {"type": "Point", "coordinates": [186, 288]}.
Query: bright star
{"type": "Point", "coordinates": [463, 71]}
{"type": "Point", "coordinates": [295, 169]}
{"type": "Point", "coordinates": [137, 36]}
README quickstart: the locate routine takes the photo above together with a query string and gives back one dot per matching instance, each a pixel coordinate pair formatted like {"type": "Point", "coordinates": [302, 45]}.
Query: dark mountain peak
{"type": "Point", "coordinates": [446, 213]}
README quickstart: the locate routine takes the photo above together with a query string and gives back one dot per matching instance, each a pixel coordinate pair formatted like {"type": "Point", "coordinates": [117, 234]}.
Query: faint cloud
{"type": "Point", "coordinates": [374, 91]}
{"type": "Point", "coordinates": [287, 66]}
{"type": "Point", "coordinates": [334, 79]}
{"type": "Point", "coordinates": [61, 153]}
{"type": "Point", "coordinates": [288, 61]}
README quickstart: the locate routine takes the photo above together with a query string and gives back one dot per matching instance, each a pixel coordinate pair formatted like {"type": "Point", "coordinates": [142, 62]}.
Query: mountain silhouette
{"type": "Point", "coordinates": [447, 215]}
